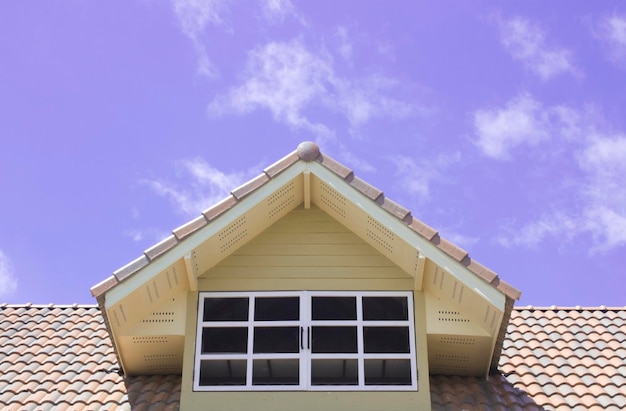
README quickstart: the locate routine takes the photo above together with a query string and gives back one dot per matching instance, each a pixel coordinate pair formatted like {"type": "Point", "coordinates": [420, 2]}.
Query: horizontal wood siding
{"type": "Point", "coordinates": [305, 244]}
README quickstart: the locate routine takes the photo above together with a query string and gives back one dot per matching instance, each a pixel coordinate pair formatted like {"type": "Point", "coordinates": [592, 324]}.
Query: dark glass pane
{"type": "Point", "coordinates": [276, 372]}
{"type": "Point", "coordinates": [276, 339]}
{"type": "Point", "coordinates": [334, 308]}
{"type": "Point", "coordinates": [223, 372]}
{"type": "Point", "coordinates": [334, 372]}
{"type": "Point", "coordinates": [225, 309]}
{"type": "Point", "coordinates": [385, 308]}
{"type": "Point", "coordinates": [387, 372]}
{"type": "Point", "coordinates": [277, 308]}
{"type": "Point", "coordinates": [386, 339]}
{"type": "Point", "coordinates": [334, 340]}
{"type": "Point", "coordinates": [224, 340]}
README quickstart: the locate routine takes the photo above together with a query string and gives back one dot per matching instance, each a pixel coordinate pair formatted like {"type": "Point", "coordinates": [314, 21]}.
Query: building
{"type": "Point", "coordinates": [308, 286]}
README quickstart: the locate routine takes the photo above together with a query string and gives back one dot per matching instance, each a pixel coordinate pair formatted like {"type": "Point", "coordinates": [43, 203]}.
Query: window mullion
{"type": "Point", "coordinates": [360, 343]}
{"type": "Point", "coordinates": [249, 360]}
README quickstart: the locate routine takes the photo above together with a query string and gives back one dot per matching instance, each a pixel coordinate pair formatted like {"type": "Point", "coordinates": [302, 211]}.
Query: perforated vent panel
{"type": "Point", "coordinates": [380, 234]}
{"type": "Point", "coordinates": [281, 200]}
{"type": "Point", "coordinates": [233, 234]}
{"type": "Point", "coordinates": [330, 198]}
{"type": "Point", "coordinates": [451, 316]}
{"type": "Point", "coordinates": [159, 317]}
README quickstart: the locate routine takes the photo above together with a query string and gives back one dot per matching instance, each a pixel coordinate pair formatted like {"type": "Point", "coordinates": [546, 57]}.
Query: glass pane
{"type": "Point", "coordinates": [225, 309]}
{"type": "Point", "coordinates": [385, 308]}
{"type": "Point", "coordinates": [334, 308]}
{"type": "Point", "coordinates": [276, 339]}
{"type": "Point", "coordinates": [276, 372]}
{"type": "Point", "coordinates": [386, 339]}
{"type": "Point", "coordinates": [334, 372]}
{"type": "Point", "coordinates": [224, 340]}
{"type": "Point", "coordinates": [388, 372]}
{"type": "Point", "coordinates": [277, 308]}
{"type": "Point", "coordinates": [223, 372]}
{"type": "Point", "coordinates": [334, 340]}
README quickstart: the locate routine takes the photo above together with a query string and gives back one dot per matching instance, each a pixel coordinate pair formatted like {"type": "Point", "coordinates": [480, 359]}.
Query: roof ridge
{"type": "Point", "coordinates": [51, 305]}
{"type": "Point", "coordinates": [570, 308]}
{"type": "Point", "coordinates": [309, 151]}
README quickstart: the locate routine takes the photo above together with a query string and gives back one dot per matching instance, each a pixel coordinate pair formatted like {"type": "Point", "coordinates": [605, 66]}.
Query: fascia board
{"type": "Point", "coordinates": [423, 246]}
{"type": "Point", "coordinates": [186, 246]}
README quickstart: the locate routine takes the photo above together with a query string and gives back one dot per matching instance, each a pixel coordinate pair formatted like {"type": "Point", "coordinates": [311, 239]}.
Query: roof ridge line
{"type": "Point", "coordinates": [570, 307]}
{"type": "Point", "coordinates": [51, 305]}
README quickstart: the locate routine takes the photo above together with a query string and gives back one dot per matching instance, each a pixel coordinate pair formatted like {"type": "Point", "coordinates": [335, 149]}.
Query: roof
{"type": "Point", "coordinates": [61, 357]}
{"type": "Point", "coordinates": [308, 151]}
{"type": "Point", "coordinates": [553, 358]}
{"type": "Point", "coordinates": [158, 281]}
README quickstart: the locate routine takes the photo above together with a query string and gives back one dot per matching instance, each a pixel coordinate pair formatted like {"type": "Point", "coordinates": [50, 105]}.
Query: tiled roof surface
{"type": "Point", "coordinates": [552, 358]}
{"type": "Point", "coordinates": [60, 357]}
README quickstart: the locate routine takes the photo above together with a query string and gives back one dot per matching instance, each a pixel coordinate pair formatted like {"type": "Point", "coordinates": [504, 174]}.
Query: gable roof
{"type": "Point", "coordinates": [553, 358]}
{"type": "Point", "coordinates": [157, 282]}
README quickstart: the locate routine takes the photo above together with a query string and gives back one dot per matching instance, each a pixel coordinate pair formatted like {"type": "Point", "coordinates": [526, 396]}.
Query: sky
{"type": "Point", "coordinates": [500, 124]}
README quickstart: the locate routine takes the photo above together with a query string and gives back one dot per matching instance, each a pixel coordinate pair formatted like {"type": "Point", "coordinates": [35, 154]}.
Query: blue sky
{"type": "Point", "coordinates": [501, 124]}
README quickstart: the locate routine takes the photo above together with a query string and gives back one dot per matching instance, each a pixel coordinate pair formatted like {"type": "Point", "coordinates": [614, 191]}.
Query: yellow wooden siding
{"type": "Point", "coordinates": [305, 244]}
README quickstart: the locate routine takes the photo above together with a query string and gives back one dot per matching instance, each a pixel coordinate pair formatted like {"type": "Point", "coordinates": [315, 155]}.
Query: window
{"type": "Point", "coordinates": [305, 341]}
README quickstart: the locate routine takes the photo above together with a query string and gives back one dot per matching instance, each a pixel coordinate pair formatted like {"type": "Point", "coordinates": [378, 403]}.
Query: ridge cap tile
{"type": "Point", "coordinates": [334, 166]}
{"type": "Point", "coordinates": [364, 187]}
{"type": "Point", "coordinates": [190, 227]}
{"type": "Point", "coordinates": [129, 269]}
{"type": "Point", "coordinates": [281, 165]}
{"type": "Point", "coordinates": [161, 247]}
{"type": "Point", "coordinates": [250, 186]}
{"type": "Point", "coordinates": [219, 208]}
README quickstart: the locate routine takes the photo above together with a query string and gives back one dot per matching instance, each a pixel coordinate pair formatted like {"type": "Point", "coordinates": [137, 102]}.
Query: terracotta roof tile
{"type": "Point", "coordinates": [281, 165]}
{"type": "Point", "coordinates": [245, 189]}
{"type": "Point", "coordinates": [160, 248]}
{"type": "Point", "coordinates": [55, 367]}
{"type": "Point", "coordinates": [551, 358]}
{"type": "Point", "coordinates": [191, 227]}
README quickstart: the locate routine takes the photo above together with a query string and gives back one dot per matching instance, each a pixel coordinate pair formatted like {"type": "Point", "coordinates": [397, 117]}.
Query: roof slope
{"type": "Point", "coordinates": [61, 357]}
{"type": "Point", "coordinates": [553, 358]}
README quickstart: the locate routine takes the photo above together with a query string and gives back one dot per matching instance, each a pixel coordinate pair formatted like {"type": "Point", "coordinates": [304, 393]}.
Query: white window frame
{"type": "Point", "coordinates": [305, 356]}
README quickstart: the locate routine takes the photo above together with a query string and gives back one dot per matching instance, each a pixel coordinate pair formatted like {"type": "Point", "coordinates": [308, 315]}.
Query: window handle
{"type": "Point", "coordinates": [308, 338]}
{"type": "Point", "coordinates": [301, 338]}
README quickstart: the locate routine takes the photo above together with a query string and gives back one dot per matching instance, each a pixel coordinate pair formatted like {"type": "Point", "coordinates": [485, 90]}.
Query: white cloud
{"type": "Point", "coordinates": [205, 186]}
{"type": "Point", "coordinates": [275, 11]}
{"type": "Point", "coordinates": [414, 176]}
{"type": "Point", "coordinates": [527, 43]}
{"type": "Point", "coordinates": [8, 282]}
{"type": "Point", "coordinates": [344, 45]}
{"type": "Point", "coordinates": [600, 210]}
{"type": "Point", "coordinates": [291, 82]}
{"type": "Point", "coordinates": [612, 30]}
{"type": "Point", "coordinates": [151, 235]}
{"type": "Point", "coordinates": [604, 161]}
{"type": "Point", "coordinates": [499, 130]}
{"type": "Point", "coordinates": [459, 239]}
{"type": "Point", "coordinates": [194, 16]}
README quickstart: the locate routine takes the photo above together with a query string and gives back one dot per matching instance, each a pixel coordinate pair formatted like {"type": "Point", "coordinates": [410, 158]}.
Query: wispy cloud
{"type": "Point", "coordinates": [204, 186]}
{"type": "Point", "coordinates": [8, 281]}
{"type": "Point", "coordinates": [276, 11]}
{"type": "Point", "coordinates": [150, 235]}
{"type": "Point", "coordinates": [344, 45]}
{"type": "Point", "coordinates": [599, 208]}
{"type": "Point", "coordinates": [527, 43]}
{"type": "Point", "coordinates": [499, 130]}
{"type": "Point", "coordinates": [415, 175]}
{"type": "Point", "coordinates": [612, 31]}
{"type": "Point", "coordinates": [194, 16]}
{"type": "Point", "coordinates": [292, 82]}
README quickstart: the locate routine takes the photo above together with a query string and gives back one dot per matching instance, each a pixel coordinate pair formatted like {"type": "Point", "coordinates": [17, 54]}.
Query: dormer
{"type": "Point", "coordinates": [306, 285]}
